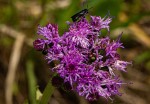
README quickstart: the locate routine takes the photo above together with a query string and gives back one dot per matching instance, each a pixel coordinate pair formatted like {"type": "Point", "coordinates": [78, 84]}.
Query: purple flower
{"type": "Point", "coordinates": [85, 62]}
{"type": "Point", "coordinates": [50, 31]}
{"type": "Point", "coordinates": [121, 65]}
{"type": "Point", "coordinates": [70, 67]}
{"type": "Point", "coordinates": [78, 33]}
{"type": "Point", "coordinates": [39, 44]}
{"type": "Point", "coordinates": [98, 23]}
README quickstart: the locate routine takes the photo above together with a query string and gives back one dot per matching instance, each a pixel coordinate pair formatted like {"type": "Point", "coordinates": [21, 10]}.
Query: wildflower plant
{"type": "Point", "coordinates": [84, 61]}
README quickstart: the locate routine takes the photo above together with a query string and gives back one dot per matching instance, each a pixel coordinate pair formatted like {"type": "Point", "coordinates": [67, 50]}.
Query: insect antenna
{"type": "Point", "coordinates": [109, 15]}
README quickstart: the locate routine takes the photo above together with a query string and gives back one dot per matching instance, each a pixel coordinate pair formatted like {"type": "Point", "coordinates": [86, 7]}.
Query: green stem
{"type": "Point", "coordinates": [47, 93]}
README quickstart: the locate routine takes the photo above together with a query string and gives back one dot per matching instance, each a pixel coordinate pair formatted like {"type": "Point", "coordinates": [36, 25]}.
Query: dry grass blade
{"type": "Point", "coordinates": [13, 63]}
{"type": "Point", "coordinates": [140, 34]}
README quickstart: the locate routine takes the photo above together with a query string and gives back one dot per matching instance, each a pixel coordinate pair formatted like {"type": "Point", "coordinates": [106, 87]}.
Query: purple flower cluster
{"type": "Point", "coordinates": [84, 60]}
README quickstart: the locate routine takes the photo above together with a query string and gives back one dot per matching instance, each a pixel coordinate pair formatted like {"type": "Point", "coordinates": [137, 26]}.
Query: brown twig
{"type": "Point", "coordinates": [13, 33]}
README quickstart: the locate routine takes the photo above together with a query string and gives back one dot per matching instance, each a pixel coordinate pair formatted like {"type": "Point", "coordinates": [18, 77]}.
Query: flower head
{"type": "Point", "coordinates": [85, 62]}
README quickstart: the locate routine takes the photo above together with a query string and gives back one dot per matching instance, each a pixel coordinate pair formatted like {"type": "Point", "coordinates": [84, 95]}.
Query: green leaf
{"type": "Point", "coordinates": [101, 7]}
{"type": "Point", "coordinates": [31, 82]}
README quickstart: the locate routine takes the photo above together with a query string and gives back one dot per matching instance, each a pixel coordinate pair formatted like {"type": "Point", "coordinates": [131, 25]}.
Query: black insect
{"type": "Point", "coordinates": [45, 50]}
{"type": "Point", "coordinates": [46, 46]}
{"type": "Point", "coordinates": [79, 15]}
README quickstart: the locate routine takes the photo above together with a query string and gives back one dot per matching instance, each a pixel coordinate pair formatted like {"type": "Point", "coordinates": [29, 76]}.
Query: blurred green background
{"type": "Point", "coordinates": [23, 71]}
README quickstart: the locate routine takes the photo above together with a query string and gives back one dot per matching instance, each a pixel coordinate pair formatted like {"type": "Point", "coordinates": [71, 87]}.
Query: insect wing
{"type": "Point", "coordinates": [75, 17]}
{"type": "Point", "coordinates": [79, 15]}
